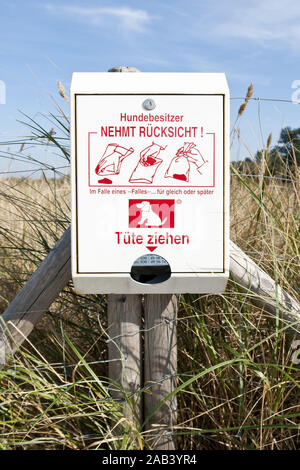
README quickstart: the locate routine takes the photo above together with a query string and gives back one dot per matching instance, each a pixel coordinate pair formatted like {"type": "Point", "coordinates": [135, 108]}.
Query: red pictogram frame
{"type": "Point", "coordinates": [147, 185]}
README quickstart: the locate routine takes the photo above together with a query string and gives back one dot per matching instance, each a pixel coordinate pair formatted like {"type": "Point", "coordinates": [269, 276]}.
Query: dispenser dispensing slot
{"type": "Point", "coordinates": [150, 269]}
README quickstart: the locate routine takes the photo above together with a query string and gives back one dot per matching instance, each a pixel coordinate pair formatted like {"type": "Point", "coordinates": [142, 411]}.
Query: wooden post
{"type": "Point", "coordinates": [124, 314]}
{"type": "Point", "coordinates": [160, 352]}
{"type": "Point", "coordinates": [160, 368]}
{"type": "Point", "coordinates": [124, 351]}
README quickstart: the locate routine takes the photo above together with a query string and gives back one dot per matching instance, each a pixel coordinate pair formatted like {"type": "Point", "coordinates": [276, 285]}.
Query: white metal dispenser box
{"type": "Point", "coordinates": [150, 182]}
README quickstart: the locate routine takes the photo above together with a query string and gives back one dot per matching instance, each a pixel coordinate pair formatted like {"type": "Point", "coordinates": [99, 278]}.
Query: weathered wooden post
{"type": "Point", "coordinates": [124, 317]}
{"type": "Point", "coordinates": [160, 354]}
{"type": "Point", "coordinates": [160, 368]}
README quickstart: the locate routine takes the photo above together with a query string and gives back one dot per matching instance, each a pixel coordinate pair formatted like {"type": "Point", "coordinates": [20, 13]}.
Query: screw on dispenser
{"type": "Point", "coordinates": [149, 104]}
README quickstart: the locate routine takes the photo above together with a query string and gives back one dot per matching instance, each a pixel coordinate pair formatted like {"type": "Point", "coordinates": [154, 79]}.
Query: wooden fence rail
{"type": "Point", "coordinates": [37, 295]}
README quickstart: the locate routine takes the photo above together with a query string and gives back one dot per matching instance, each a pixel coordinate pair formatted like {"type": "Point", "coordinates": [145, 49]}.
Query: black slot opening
{"type": "Point", "coordinates": [151, 273]}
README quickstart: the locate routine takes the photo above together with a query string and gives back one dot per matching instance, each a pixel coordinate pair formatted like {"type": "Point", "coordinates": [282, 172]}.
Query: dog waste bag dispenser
{"type": "Point", "coordinates": [150, 182]}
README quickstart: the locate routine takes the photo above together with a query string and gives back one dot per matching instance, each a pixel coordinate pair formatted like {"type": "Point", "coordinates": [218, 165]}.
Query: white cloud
{"type": "Point", "coordinates": [128, 18]}
{"type": "Point", "coordinates": [265, 22]}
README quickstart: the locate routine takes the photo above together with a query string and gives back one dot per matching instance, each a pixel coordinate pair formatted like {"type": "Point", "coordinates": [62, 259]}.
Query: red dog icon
{"type": "Point", "coordinates": [145, 213]}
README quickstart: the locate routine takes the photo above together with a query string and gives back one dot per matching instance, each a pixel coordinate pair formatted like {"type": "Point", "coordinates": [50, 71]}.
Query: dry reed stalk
{"type": "Point", "coordinates": [249, 92]}
{"type": "Point", "coordinates": [61, 91]}
{"type": "Point", "coordinates": [247, 98]}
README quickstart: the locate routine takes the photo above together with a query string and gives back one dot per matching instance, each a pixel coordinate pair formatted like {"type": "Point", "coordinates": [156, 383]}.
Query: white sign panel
{"type": "Point", "coordinates": [149, 177]}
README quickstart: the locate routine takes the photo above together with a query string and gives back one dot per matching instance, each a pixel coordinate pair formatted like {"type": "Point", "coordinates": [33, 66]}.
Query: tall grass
{"type": "Point", "coordinates": [238, 387]}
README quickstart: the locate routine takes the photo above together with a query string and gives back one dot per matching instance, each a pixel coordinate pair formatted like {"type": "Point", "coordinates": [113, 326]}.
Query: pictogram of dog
{"type": "Point", "coordinates": [149, 217]}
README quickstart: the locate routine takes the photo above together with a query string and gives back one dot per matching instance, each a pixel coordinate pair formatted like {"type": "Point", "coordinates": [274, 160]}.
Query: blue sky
{"type": "Point", "coordinates": [253, 40]}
